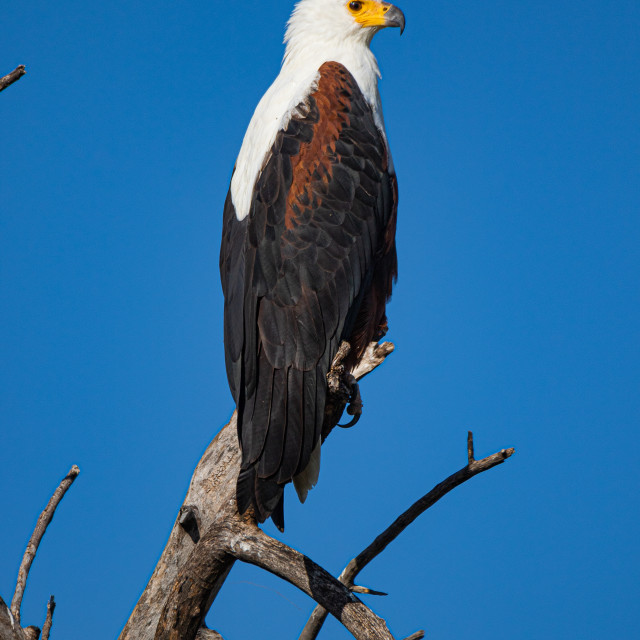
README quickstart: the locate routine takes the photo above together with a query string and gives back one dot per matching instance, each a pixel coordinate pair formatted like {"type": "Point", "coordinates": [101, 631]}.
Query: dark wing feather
{"type": "Point", "coordinates": [310, 266]}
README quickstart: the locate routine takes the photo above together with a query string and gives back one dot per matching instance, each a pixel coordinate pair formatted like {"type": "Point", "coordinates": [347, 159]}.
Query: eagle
{"type": "Point", "coordinates": [308, 255]}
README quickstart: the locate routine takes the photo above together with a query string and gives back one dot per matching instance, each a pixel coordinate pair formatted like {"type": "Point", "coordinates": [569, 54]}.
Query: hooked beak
{"type": "Point", "coordinates": [394, 17]}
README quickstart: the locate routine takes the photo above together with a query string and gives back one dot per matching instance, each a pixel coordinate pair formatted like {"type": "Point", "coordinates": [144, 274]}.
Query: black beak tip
{"type": "Point", "coordinates": [395, 18]}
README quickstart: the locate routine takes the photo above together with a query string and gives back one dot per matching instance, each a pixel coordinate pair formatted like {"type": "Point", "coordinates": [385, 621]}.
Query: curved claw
{"type": "Point", "coordinates": [355, 407]}
{"type": "Point", "coordinates": [352, 423]}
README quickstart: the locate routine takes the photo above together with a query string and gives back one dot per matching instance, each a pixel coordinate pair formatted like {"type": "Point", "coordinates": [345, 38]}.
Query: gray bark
{"type": "Point", "coordinates": [9, 629]}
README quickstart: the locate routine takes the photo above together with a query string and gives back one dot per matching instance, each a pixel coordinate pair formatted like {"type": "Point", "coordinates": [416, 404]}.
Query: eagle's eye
{"type": "Point", "coordinates": [355, 6]}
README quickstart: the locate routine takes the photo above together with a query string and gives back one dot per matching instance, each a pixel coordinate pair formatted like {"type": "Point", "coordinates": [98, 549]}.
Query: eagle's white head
{"type": "Point", "coordinates": [339, 21]}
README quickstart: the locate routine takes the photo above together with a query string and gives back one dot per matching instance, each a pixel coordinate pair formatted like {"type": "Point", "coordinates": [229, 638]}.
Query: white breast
{"type": "Point", "coordinates": [296, 81]}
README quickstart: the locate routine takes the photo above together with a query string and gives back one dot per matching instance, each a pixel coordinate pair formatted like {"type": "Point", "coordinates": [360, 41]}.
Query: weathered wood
{"type": "Point", "coordinates": [12, 77]}
{"type": "Point", "coordinates": [7, 624]}
{"type": "Point", "coordinates": [243, 540]}
{"type": "Point", "coordinates": [347, 577]}
{"type": "Point", "coordinates": [290, 565]}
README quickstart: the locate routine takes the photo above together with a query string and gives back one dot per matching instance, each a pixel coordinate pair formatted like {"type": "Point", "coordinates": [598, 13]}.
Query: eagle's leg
{"type": "Point", "coordinates": [343, 386]}
{"type": "Point", "coordinates": [336, 373]}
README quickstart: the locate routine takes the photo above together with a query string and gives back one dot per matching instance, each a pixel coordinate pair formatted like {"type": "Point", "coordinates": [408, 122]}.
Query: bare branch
{"type": "Point", "coordinates": [319, 615]}
{"type": "Point", "coordinates": [32, 548]}
{"type": "Point", "coordinates": [470, 448]}
{"type": "Point", "coordinates": [12, 77]}
{"type": "Point", "coordinates": [243, 540]}
{"type": "Point", "coordinates": [267, 553]}
{"type": "Point", "coordinates": [48, 623]}
{"type": "Point", "coordinates": [416, 636]}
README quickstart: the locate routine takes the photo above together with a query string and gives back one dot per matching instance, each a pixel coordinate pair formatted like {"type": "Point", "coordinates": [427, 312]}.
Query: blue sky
{"type": "Point", "coordinates": [514, 128]}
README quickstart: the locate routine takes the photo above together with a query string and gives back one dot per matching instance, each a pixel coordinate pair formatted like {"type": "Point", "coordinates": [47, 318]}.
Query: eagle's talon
{"type": "Point", "coordinates": [355, 402]}
{"type": "Point", "coordinates": [351, 423]}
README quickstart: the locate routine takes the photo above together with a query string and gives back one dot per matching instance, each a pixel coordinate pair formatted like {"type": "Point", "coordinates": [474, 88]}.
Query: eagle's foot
{"type": "Point", "coordinates": [354, 401]}
{"type": "Point", "coordinates": [343, 386]}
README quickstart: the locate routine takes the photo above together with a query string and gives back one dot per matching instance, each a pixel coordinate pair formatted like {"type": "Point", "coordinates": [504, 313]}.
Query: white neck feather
{"type": "Point", "coordinates": [309, 45]}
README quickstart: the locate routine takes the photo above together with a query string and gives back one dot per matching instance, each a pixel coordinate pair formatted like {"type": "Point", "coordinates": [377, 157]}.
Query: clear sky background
{"type": "Point", "coordinates": [515, 128]}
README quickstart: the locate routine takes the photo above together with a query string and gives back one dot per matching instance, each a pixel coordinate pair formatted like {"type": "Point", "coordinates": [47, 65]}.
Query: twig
{"type": "Point", "coordinates": [416, 636]}
{"type": "Point", "coordinates": [32, 548]}
{"type": "Point", "coordinates": [46, 630]}
{"type": "Point", "coordinates": [370, 592]}
{"type": "Point", "coordinates": [12, 77]}
{"type": "Point", "coordinates": [319, 615]}
{"type": "Point", "coordinates": [470, 448]}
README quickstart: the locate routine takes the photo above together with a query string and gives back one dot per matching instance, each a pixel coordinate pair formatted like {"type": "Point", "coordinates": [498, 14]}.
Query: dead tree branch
{"type": "Point", "coordinates": [32, 548]}
{"type": "Point", "coordinates": [209, 536]}
{"type": "Point", "coordinates": [243, 540]}
{"type": "Point", "coordinates": [319, 615]}
{"type": "Point", "coordinates": [12, 77]}
{"type": "Point", "coordinates": [187, 569]}
{"type": "Point", "coordinates": [292, 566]}
{"type": "Point", "coordinates": [10, 628]}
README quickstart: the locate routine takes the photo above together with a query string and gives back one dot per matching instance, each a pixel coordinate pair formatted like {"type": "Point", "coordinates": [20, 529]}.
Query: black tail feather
{"type": "Point", "coordinates": [264, 494]}
{"type": "Point", "coordinates": [278, 514]}
{"type": "Point", "coordinates": [245, 489]}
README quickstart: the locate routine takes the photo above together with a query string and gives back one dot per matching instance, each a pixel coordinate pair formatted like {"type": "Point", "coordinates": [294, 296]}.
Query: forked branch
{"type": "Point", "coordinates": [290, 565]}
{"type": "Point", "coordinates": [209, 536]}
{"type": "Point", "coordinates": [32, 548]}
{"type": "Point", "coordinates": [347, 577]}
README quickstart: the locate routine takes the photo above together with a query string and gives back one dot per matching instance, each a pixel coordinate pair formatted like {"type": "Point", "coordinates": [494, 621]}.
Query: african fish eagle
{"type": "Point", "coordinates": [308, 252]}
